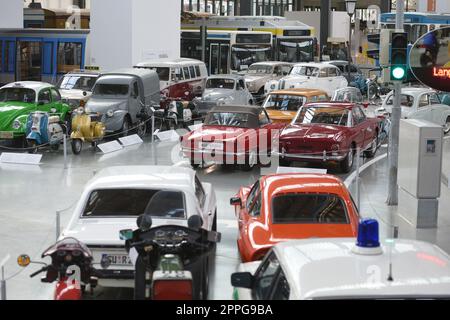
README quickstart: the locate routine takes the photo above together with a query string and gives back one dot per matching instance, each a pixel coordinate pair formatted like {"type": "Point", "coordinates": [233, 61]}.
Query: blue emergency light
{"type": "Point", "coordinates": [368, 236]}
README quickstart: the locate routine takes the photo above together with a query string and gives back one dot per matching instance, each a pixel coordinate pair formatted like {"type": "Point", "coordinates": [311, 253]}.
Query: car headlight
{"type": "Point", "coordinates": [16, 125]}
{"type": "Point", "coordinates": [110, 113]}
{"type": "Point", "coordinates": [272, 86]}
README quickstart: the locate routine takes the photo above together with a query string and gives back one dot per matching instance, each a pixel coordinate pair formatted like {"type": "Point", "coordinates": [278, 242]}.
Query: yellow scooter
{"type": "Point", "coordinates": [86, 127]}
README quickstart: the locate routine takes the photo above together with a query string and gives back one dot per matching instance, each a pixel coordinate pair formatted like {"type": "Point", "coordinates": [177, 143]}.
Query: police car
{"type": "Point", "coordinates": [340, 269]}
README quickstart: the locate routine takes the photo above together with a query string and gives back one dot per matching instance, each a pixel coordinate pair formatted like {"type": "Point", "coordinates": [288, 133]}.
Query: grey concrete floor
{"type": "Point", "coordinates": [31, 195]}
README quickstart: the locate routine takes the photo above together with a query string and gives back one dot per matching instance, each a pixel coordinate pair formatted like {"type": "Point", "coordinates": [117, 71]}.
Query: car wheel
{"type": "Point", "coordinates": [141, 129]}
{"type": "Point", "coordinates": [125, 127]}
{"type": "Point", "coordinates": [447, 126]}
{"type": "Point", "coordinates": [77, 145]}
{"type": "Point", "coordinates": [370, 153]}
{"type": "Point", "coordinates": [347, 163]}
{"type": "Point", "coordinates": [55, 146]}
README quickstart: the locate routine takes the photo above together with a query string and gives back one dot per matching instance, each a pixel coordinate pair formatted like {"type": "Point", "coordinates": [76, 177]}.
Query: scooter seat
{"type": "Point", "coordinates": [53, 119]}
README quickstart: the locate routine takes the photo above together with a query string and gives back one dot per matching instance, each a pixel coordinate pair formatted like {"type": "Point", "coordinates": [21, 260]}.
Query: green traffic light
{"type": "Point", "coordinates": [398, 73]}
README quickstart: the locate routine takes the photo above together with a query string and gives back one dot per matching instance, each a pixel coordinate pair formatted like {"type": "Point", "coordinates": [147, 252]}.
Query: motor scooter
{"type": "Point", "coordinates": [177, 114]}
{"type": "Point", "coordinates": [43, 128]}
{"type": "Point", "coordinates": [86, 127]}
{"type": "Point", "coordinates": [70, 267]}
{"type": "Point", "coordinates": [171, 261]}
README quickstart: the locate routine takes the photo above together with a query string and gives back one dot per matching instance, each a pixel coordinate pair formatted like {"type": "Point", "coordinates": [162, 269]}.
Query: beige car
{"type": "Point", "coordinates": [259, 73]}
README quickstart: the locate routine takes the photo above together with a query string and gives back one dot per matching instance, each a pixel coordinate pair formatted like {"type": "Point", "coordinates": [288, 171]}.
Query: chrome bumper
{"type": "Point", "coordinates": [305, 156]}
{"type": "Point", "coordinates": [215, 152]}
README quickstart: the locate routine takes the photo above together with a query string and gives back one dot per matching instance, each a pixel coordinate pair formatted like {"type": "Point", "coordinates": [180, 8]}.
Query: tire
{"type": "Point", "coordinates": [55, 147]}
{"type": "Point", "coordinates": [447, 126]}
{"type": "Point", "coordinates": [347, 164]}
{"type": "Point", "coordinates": [77, 146]}
{"type": "Point", "coordinates": [141, 129]}
{"type": "Point", "coordinates": [370, 153]}
{"type": "Point", "coordinates": [125, 127]}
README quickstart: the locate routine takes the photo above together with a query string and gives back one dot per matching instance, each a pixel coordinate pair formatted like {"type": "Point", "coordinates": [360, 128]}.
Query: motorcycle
{"type": "Point", "coordinates": [70, 267]}
{"type": "Point", "coordinates": [86, 127]}
{"type": "Point", "coordinates": [171, 261]}
{"type": "Point", "coordinates": [43, 128]}
{"type": "Point", "coordinates": [177, 114]}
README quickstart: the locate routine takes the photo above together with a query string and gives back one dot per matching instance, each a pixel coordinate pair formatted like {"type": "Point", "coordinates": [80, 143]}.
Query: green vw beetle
{"type": "Point", "coordinates": [19, 99]}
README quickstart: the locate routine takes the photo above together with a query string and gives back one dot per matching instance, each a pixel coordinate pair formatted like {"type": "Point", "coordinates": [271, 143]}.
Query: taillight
{"type": "Point", "coordinates": [172, 289]}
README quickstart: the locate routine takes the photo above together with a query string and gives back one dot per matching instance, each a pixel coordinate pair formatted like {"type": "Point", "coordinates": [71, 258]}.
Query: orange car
{"type": "Point", "coordinates": [282, 105]}
{"type": "Point", "coordinates": [283, 207]}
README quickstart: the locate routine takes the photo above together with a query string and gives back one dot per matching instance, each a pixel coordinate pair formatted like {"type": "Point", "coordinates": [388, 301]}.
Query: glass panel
{"type": "Point", "coordinates": [284, 102]}
{"type": "Point", "coordinates": [17, 95]}
{"type": "Point", "coordinates": [227, 119]}
{"type": "Point", "coordinates": [296, 50]}
{"type": "Point", "coordinates": [322, 115]}
{"type": "Point", "coordinates": [69, 56]}
{"type": "Point", "coordinates": [244, 56]}
{"type": "Point", "coordinates": [266, 276]}
{"type": "Point", "coordinates": [214, 59]}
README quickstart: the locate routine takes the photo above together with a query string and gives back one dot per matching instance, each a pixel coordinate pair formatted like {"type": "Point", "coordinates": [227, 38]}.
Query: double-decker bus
{"type": "Point", "coordinates": [227, 51]}
{"type": "Point", "coordinates": [292, 41]}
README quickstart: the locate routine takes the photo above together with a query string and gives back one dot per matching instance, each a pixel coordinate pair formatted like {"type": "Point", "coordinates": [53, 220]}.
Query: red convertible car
{"type": "Point", "coordinates": [283, 207]}
{"type": "Point", "coordinates": [330, 131]}
{"type": "Point", "coordinates": [232, 135]}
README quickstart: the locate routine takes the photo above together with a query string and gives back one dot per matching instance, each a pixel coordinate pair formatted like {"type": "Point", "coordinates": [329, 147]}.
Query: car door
{"type": "Point", "coordinates": [364, 125]}
{"type": "Point", "coordinates": [359, 128]}
{"type": "Point", "coordinates": [241, 92]}
{"type": "Point", "coordinates": [134, 104]}
{"type": "Point", "coordinates": [57, 102]}
{"type": "Point", "coordinates": [321, 81]}
{"type": "Point", "coordinates": [206, 201]}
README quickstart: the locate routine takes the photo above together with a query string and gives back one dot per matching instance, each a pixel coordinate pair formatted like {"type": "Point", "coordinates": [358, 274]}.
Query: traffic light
{"type": "Point", "coordinates": [399, 56]}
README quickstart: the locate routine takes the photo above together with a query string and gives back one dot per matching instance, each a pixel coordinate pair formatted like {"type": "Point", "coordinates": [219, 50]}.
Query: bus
{"type": "Point", "coordinates": [292, 41]}
{"type": "Point", "coordinates": [227, 51]}
{"type": "Point", "coordinates": [416, 24]}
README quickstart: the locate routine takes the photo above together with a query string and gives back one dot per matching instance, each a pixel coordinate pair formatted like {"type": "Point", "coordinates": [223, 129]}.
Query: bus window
{"type": "Point", "coordinates": [197, 71]}
{"type": "Point", "coordinates": [192, 72]}
{"type": "Point", "coordinates": [177, 74]}
{"type": "Point", "coordinates": [186, 73]}
{"type": "Point", "coordinates": [69, 56]}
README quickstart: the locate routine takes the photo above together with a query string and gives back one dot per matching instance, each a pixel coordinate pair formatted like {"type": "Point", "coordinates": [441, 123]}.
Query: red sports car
{"type": "Point", "coordinates": [329, 131]}
{"type": "Point", "coordinates": [283, 207]}
{"type": "Point", "coordinates": [232, 135]}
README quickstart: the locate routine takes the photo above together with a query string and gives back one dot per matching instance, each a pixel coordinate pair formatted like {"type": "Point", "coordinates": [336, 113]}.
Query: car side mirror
{"type": "Point", "coordinates": [126, 234]}
{"type": "Point", "coordinates": [236, 201]}
{"type": "Point", "coordinates": [242, 280]}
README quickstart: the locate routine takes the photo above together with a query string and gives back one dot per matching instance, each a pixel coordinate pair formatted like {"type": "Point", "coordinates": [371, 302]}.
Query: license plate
{"type": "Point", "coordinates": [212, 145]}
{"type": "Point", "coordinates": [6, 135]}
{"type": "Point", "coordinates": [118, 259]}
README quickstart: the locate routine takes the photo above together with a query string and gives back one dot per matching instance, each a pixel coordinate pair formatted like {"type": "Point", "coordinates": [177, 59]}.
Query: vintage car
{"type": "Point", "coordinates": [114, 198]}
{"type": "Point", "coordinates": [259, 73]}
{"type": "Point", "coordinates": [329, 131]}
{"type": "Point", "coordinates": [412, 100]}
{"type": "Point", "coordinates": [231, 135]}
{"type": "Point", "coordinates": [438, 114]}
{"type": "Point", "coordinates": [226, 89]}
{"type": "Point", "coordinates": [19, 99]}
{"type": "Point", "coordinates": [348, 94]}
{"type": "Point", "coordinates": [181, 78]}
{"type": "Point", "coordinates": [323, 76]}
{"type": "Point", "coordinates": [282, 105]}
{"type": "Point", "coordinates": [125, 97]}
{"type": "Point", "coordinates": [334, 269]}
{"type": "Point", "coordinates": [281, 207]}
{"type": "Point", "coordinates": [356, 79]}
{"type": "Point", "coordinates": [76, 87]}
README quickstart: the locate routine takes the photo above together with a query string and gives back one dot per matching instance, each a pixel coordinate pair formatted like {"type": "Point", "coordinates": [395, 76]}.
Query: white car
{"type": "Point", "coordinates": [323, 76]}
{"type": "Point", "coordinates": [76, 87]}
{"type": "Point", "coordinates": [438, 114]}
{"type": "Point", "coordinates": [337, 269]}
{"type": "Point", "coordinates": [116, 196]}
{"type": "Point", "coordinates": [413, 99]}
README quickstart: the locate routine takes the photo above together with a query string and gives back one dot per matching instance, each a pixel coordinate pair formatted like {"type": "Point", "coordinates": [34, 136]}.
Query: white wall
{"type": "Point", "coordinates": [11, 13]}
{"type": "Point", "coordinates": [124, 33]}
{"type": "Point", "coordinates": [442, 6]}
{"type": "Point", "coordinates": [56, 4]}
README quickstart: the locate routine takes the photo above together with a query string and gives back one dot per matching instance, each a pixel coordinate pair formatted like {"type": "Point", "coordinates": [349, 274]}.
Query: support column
{"type": "Point", "coordinates": [245, 7]}
{"type": "Point", "coordinates": [324, 22]}
{"type": "Point", "coordinates": [298, 5]}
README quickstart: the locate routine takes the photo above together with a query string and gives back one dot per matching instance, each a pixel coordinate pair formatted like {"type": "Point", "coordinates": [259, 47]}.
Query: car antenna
{"type": "Point", "coordinates": [395, 236]}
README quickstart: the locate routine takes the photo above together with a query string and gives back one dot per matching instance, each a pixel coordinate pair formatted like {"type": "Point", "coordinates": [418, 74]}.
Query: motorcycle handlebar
{"type": "Point", "coordinates": [39, 271]}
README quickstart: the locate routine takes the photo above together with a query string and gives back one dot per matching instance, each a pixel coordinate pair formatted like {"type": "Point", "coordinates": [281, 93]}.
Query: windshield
{"type": "Point", "coordinates": [243, 56]}
{"type": "Point", "coordinates": [220, 84]}
{"type": "Point", "coordinates": [260, 69]}
{"type": "Point", "coordinates": [77, 82]}
{"type": "Point", "coordinates": [111, 89]}
{"type": "Point", "coordinates": [347, 96]}
{"type": "Point", "coordinates": [305, 71]}
{"type": "Point", "coordinates": [129, 202]}
{"type": "Point", "coordinates": [232, 119]}
{"type": "Point", "coordinates": [296, 50]}
{"type": "Point", "coordinates": [17, 95]}
{"type": "Point", "coordinates": [308, 208]}
{"type": "Point", "coordinates": [284, 102]}
{"type": "Point", "coordinates": [406, 100]}
{"type": "Point", "coordinates": [322, 115]}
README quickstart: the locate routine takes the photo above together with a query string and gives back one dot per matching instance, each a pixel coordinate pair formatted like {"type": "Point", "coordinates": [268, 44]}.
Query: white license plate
{"type": "Point", "coordinates": [118, 259]}
{"type": "Point", "coordinates": [212, 145]}
{"type": "Point", "coordinates": [6, 135]}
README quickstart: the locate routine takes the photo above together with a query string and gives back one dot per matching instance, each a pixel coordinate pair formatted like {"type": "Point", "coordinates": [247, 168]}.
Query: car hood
{"type": "Point", "coordinates": [216, 94]}
{"type": "Point", "coordinates": [251, 78]}
{"type": "Point", "coordinates": [103, 105]}
{"type": "Point", "coordinates": [295, 79]}
{"type": "Point", "coordinates": [314, 131]}
{"type": "Point", "coordinates": [10, 111]}
{"type": "Point", "coordinates": [217, 133]}
{"type": "Point", "coordinates": [105, 231]}
{"type": "Point", "coordinates": [74, 94]}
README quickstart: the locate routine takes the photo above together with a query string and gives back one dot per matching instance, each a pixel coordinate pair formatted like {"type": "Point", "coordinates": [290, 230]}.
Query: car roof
{"type": "Point", "coordinates": [416, 90]}
{"type": "Point", "coordinates": [88, 73]}
{"type": "Point", "coordinates": [34, 85]}
{"type": "Point", "coordinates": [327, 268]}
{"type": "Point", "coordinates": [299, 92]}
{"type": "Point", "coordinates": [333, 104]}
{"type": "Point", "coordinates": [170, 177]}
{"type": "Point", "coordinates": [226, 76]}
{"type": "Point", "coordinates": [169, 62]}
{"type": "Point", "coordinates": [272, 63]}
{"type": "Point", "coordinates": [315, 64]}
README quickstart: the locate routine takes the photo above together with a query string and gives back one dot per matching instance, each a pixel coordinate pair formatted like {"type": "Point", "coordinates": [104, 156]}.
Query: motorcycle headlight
{"type": "Point", "coordinates": [110, 113]}
{"type": "Point", "coordinates": [80, 110]}
{"type": "Point", "coordinates": [16, 125]}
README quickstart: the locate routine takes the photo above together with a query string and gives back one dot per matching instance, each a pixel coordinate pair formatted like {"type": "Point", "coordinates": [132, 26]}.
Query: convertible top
{"type": "Point", "coordinates": [252, 111]}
